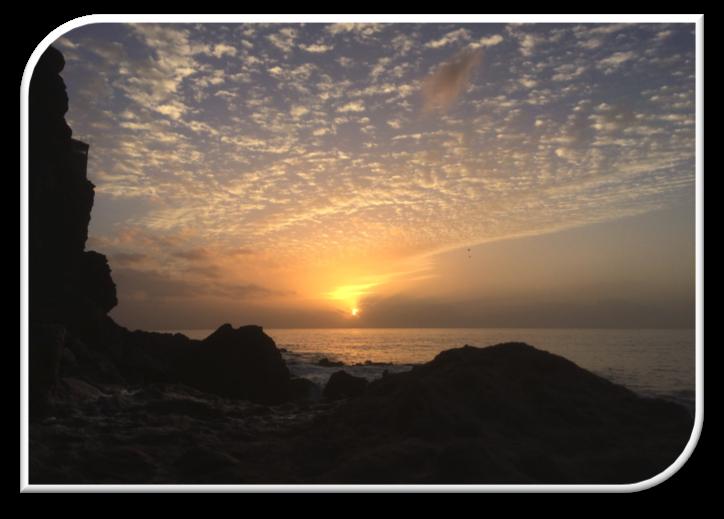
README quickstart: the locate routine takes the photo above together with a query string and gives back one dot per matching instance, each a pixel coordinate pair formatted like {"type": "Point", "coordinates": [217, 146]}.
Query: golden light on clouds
{"type": "Point", "coordinates": [300, 165]}
{"type": "Point", "coordinates": [350, 295]}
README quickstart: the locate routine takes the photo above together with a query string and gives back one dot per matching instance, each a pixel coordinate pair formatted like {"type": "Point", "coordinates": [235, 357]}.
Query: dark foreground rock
{"type": "Point", "coordinates": [242, 363]}
{"type": "Point", "coordinates": [239, 362]}
{"type": "Point", "coordinates": [162, 433]}
{"type": "Point", "coordinates": [506, 413]}
{"type": "Point", "coordinates": [304, 390]}
{"type": "Point", "coordinates": [343, 385]}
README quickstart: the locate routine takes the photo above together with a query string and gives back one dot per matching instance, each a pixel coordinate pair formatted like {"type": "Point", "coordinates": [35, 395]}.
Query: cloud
{"type": "Point", "coordinates": [135, 283]}
{"type": "Point", "coordinates": [174, 110]}
{"type": "Point", "coordinates": [127, 258]}
{"type": "Point", "coordinates": [221, 49]}
{"type": "Point", "coordinates": [284, 39]}
{"type": "Point", "coordinates": [317, 48]}
{"type": "Point", "coordinates": [568, 72]}
{"type": "Point", "coordinates": [487, 41]}
{"type": "Point", "coordinates": [592, 43]}
{"type": "Point", "coordinates": [197, 254]}
{"type": "Point", "coordinates": [156, 79]}
{"type": "Point", "coordinates": [615, 60]}
{"type": "Point", "coordinates": [355, 106]}
{"type": "Point", "coordinates": [345, 61]}
{"type": "Point", "coordinates": [364, 30]}
{"type": "Point", "coordinates": [65, 42]}
{"type": "Point", "coordinates": [528, 42]}
{"type": "Point", "coordinates": [450, 79]}
{"type": "Point", "coordinates": [298, 111]}
{"type": "Point", "coordinates": [249, 163]}
{"type": "Point", "coordinates": [449, 39]}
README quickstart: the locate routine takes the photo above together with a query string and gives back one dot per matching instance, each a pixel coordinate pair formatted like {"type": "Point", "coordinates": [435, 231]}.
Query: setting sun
{"type": "Point", "coordinates": [351, 294]}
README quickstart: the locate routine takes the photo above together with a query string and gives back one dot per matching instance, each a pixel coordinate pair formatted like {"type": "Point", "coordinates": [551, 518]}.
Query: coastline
{"type": "Point", "coordinates": [508, 413]}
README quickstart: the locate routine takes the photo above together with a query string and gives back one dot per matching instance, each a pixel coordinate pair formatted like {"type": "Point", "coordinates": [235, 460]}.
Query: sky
{"type": "Point", "coordinates": [312, 175]}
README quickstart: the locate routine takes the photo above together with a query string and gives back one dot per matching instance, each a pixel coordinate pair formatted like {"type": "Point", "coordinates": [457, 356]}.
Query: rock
{"type": "Point", "coordinates": [200, 463]}
{"type": "Point", "coordinates": [90, 364]}
{"type": "Point", "coordinates": [242, 363]}
{"type": "Point", "coordinates": [186, 406]}
{"type": "Point", "coordinates": [326, 363]}
{"type": "Point", "coordinates": [78, 390]}
{"type": "Point", "coordinates": [46, 345]}
{"type": "Point", "coordinates": [97, 283]}
{"type": "Point", "coordinates": [304, 390]}
{"type": "Point", "coordinates": [343, 385]}
{"type": "Point", "coordinates": [120, 464]}
{"type": "Point", "coordinates": [506, 413]}
{"type": "Point", "coordinates": [69, 285]}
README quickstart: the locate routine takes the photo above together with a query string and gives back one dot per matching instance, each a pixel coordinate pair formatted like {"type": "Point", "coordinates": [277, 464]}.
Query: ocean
{"type": "Point", "coordinates": [650, 362]}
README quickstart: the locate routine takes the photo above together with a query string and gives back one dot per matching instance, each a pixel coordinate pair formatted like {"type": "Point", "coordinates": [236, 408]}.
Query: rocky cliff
{"type": "Point", "coordinates": [72, 291]}
{"type": "Point", "coordinates": [68, 285]}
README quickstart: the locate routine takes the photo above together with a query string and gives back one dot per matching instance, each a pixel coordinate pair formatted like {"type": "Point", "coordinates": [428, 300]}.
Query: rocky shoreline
{"type": "Point", "coordinates": [508, 413]}
{"type": "Point", "coordinates": [110, 405]}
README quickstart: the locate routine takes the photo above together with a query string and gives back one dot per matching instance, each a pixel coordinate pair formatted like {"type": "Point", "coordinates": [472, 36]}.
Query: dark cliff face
{"type": "Point", "coordinates": [68, 284]}
{"type": "Point", "coordinates": [72, 291]}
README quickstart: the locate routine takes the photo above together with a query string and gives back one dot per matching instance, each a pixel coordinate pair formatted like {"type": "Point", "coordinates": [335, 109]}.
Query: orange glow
{"type": "Point", "coordinates": [355, 312]}
{"type": "Point", "coordinates": [351, 294]}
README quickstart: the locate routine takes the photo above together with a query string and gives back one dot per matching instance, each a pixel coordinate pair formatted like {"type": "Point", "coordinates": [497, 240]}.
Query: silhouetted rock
{"type": "Point", "coordinates": [506, 413]}
{"type": "Point", "coordinates": [240, 363]}
{"type": "Point", "coordinates": [304, 390]}
{"type": "Point", "coordinates": [326, 363]}
{"type": "Point", "coordinates": [343, 385]}
{"type": "Point", "coordinates": [68, 285]}
{"type": "Point", "coordinates": [97, 283]}
{"type": "Point", "coordinates": [73, 288]}
{"type": "Point", "coordinates": [243, 363]}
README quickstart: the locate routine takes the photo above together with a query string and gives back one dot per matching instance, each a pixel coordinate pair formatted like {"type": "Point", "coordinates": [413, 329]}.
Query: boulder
{"type": "Point", "coordinates": [240, 362]}
{"type": "Point", "coordinates": [304, 390]}
{"type": "Point", "coordinates": [343, 385]}
{"type": "Point", "coordinates": [505, 413]}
